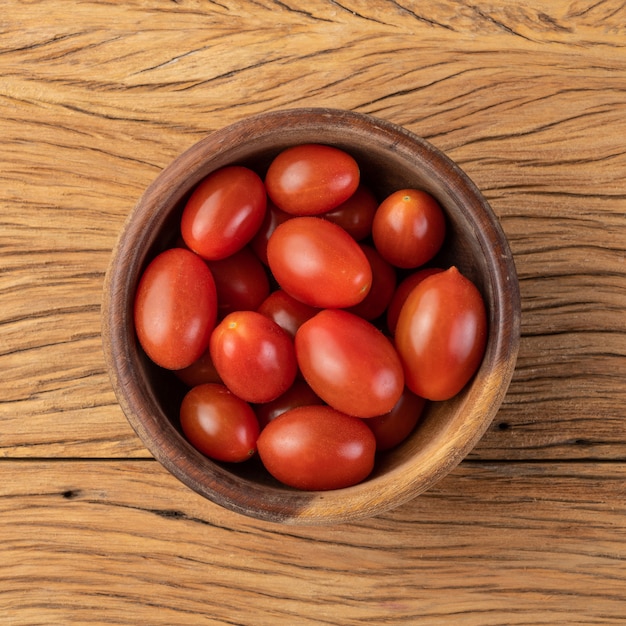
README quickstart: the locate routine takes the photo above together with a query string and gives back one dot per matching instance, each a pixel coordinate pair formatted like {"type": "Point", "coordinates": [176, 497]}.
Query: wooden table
{"type": "Point", "coordinates": [529, 98]}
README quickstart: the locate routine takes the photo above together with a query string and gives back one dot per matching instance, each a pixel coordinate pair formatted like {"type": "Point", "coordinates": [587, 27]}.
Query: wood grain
{"type": "Point", "coordinates": [125, 543]}
{"type": "Point", "coordinates": [97, 97]}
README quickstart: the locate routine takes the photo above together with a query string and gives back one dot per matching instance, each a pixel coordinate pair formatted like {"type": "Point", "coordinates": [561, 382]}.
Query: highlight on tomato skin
{"type": "Point", "coordinates": [317, 448]}
{"type": "Point", "coordinates": [441, 335]}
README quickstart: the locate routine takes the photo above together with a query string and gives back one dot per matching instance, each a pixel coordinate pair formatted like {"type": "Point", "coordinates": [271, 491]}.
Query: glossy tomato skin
{"type": "Point", "coordinates": [318, 263]}
{"type": "Point", "coordinates": [241, 282]}
{"type": "Point", "coordinates": [382, 289]}
{"type": "Point", "coordinates": [224, 212]}
{"type": "Point", "coordinates": [317, 448]}
{"type": "Point", "coordinates": [219, 424]}
{"type": "Point", "coordinates": [286, 311]}
{"type": "Point", "coordinates": [392, 428]}
{"type": "Point", "coordinates": [356, 214]}
{"type": "Point", "coordinates": [253, 355]}
{"type": "Point", "coordinates": [299, 394]}
{"type": "Point", "coordinates": [349, 363]}
{"type": "Point", "coordinates": [402, 293]}
{"type": "Point", "coordinates": [175, 308]}
{"type": "Point", "coordinates": [409, 228]}
{"type": "Point", "coordinates": [441, 335]}
{"type": "Point", "coordinates": [310, 179]}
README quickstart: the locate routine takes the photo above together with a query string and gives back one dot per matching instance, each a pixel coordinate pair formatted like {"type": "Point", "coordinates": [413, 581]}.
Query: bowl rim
{"type": "Point", "coordinates": [138, 401]}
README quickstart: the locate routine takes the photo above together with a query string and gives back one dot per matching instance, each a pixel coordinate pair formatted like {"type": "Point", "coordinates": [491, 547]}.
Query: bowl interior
{"type": "Point", "coordinates": [390, 159]}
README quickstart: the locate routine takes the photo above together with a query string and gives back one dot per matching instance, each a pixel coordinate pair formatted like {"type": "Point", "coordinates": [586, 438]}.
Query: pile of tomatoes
{"type": "Point", "coordinates": [301, 313]}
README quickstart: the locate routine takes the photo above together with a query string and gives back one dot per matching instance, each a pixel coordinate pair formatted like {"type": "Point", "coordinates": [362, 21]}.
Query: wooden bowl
{"type": "Point", "coordinates": [390, 158]}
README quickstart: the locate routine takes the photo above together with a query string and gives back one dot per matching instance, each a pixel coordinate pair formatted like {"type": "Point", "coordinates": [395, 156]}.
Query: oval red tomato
{"type": "Point", "coordinates": [218, 423]}
{"type": "Point", "coordinates": [175, 308]}
{"type": "Point", "coordinates": [224, 212]}
{"type": "Point", "coordinates": [349, 363]}
{"type": "Point", "coordinates": [253, 355]}
{"type": "Point", "coordinates": [394, 427]}
{"type": "Point", "coordinates": [441, 334]}
{"type": "Point", "coordinates": [318, 263]}
{"type": "Point", "coordinates": [241, 282]}
{"type": "Point", "coordinates": [409, 228]}
{"type": "Point", "coordinates": [310, 179]}
{"type": "Point", "coordinates": [317, 448]}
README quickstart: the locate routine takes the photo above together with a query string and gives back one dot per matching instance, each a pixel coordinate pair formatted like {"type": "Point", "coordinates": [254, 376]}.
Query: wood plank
{"type": "Point", "coordinates": [530, 100]}
{"type": "Point", "coordinates": [125, 543]}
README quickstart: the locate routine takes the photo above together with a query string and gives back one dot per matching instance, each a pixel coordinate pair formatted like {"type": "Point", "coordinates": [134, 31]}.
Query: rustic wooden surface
{"type": "Point", "coordinates": [530, 98]}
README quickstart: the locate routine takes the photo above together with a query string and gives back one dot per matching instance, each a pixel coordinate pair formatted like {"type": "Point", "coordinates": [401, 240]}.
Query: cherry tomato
{"type": "Point", "coordinates": [349, 363]}
{"type": "Point", "coordinates": [286, 311]}
{"type": "Point", "coordinates": [273, 217]}
{"type": "Point", "coordinates": [299, 394]}
{"type": "Point", "coordinates": [218, 423]}
{"type": "Point", "coordinates": [318, 263]}
{"type": "Point", "coordinates": [441, 334]}
{"type": "Point", "coordinates": [200, 371]}
{"type": "Point", "coordinates": [356, 214]}
{"type": "Point", "coordinates": [241, 282]}
{"type": "Point", "coordinates": [409, 228]}
{"type": "Point", "coordinates": [253, 355]}
{"type": "Point", "coordinates": [402, 293]}
{"type": "Point", "coordinates": [224, 212]}
{"type": "Point", "coordinates": [310, 179]}
{"type": "Point", "coordinates": [317, 448]}
{"type": "Point", "coordinates": [394, 427]}
{"type": "Point", "coordinates": [382, 289]}
{"type": "Point", "coordinates": [175, 308]}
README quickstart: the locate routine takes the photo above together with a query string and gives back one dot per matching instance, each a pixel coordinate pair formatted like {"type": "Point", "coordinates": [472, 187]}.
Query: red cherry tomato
{"type": "Point", "coordinates": [409, 228]}
{"type": "Point", "coordinates": [224, 212]}
{"type": "Point", "coordinates": [286, 311]}
{"type": "Point", "coordinates": [273, 217]}
{"type": "Point", "coordinates": [394, 427]}
{"type": "Point", "coordinates": [310, 179]}
{"type": "Point", "coordinates": [299, 394]}
{"type": "Point", "coordinates": [317, 448]}
{"type": "Point", "coordinates": [356, 214]}
{"type": "Point", "coordinates": [318, 263]}
{"type": "Point", "coordinates": [441, 334]}
{"type": "Point", "coordinates": [199, 372]}
{"type": "Point", "coordinates": [349, 363]}
{"type": "Point", "coordinates": [382, 289]}
{"type": "Point", "coordinates": [219, 424]}
{"type": "Point", "coordinates": [402, 293]}
{"type": "Point", "coordinates": [241, 282]}
{"type": "Point", "coordinates": [175, 308]}
{"type": "Point", "coordinates": [253, 355]}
